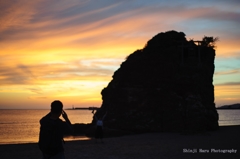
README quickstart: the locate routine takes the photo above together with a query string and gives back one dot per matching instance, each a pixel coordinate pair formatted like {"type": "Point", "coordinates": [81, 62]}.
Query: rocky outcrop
{"type": "Point", "coordinates": [166, 86]}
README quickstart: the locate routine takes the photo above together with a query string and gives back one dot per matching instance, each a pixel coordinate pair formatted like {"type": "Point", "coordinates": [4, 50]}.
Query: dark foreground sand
{"type": "Point", "coordinates": [143, 146]}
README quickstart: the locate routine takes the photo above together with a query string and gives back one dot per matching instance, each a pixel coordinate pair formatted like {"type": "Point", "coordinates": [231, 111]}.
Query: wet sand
{"type": "Point", "coordinates": [214, 144]}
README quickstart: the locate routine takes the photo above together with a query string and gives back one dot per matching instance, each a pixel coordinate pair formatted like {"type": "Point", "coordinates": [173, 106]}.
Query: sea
{"type": "Point", "coordinates": [22, 126]}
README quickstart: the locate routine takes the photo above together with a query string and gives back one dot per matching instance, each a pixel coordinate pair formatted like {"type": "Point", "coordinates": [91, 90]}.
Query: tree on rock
{"type": "Point", "coordinates": [209, 41]}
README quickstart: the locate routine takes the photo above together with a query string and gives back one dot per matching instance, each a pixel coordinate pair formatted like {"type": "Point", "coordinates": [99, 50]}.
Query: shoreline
{"type": "Point", "coordinates": [83, 137]}
{"type": "Point", "coordinates": [143, 146]}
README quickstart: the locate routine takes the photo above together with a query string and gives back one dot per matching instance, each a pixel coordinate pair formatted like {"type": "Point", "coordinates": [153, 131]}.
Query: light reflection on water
{"type": "Point", "coordinates": [229, 117]}
{"type": "Point", "coordinates": [22, 126]}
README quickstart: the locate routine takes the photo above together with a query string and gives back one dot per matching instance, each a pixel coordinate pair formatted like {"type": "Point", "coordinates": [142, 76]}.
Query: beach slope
{"type": "Point", "coordinates": [220, 144]}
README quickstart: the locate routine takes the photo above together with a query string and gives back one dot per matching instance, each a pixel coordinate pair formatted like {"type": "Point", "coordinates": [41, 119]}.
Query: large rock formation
{"type": "Point", "coordinates": [166, 86]}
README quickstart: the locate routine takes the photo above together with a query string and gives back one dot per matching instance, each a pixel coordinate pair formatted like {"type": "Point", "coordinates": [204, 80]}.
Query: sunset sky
{"type": "Point", "coordinates": [69, 49]}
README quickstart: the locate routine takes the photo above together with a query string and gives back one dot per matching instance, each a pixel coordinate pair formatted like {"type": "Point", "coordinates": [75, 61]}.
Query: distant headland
{"type": "Point", "coordinates": [83, 108]}
{"type": "Point", "coordinates": [232, 106]}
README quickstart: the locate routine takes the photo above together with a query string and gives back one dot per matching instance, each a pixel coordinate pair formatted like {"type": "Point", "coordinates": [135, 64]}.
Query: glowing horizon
{"type": "Point", "coordinates": [70, 50]}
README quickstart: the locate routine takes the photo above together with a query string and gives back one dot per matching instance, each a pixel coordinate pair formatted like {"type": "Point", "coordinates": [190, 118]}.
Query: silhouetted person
{"type": "Point", "coordinates": [99, 129]}
{"type": "Point", "coordinates": [52, 130]}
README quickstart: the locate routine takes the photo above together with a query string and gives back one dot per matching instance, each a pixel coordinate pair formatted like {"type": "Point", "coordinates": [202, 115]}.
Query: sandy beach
{"type": "Point", "coordinates": [220, 144]}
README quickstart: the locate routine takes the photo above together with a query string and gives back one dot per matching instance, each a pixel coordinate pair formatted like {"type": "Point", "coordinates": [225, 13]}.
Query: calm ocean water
{"type": "Point", "coordinates": [22, 126]}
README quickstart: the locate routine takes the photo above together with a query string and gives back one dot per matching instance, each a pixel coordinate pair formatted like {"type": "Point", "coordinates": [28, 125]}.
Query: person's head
{"type": "Point", "coordinates": [56, 107]}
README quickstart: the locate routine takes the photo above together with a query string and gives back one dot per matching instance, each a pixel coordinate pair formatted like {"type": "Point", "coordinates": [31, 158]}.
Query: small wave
{"type": "Point", "coordinates": [230, 120]}
{"type": "Point", "coordinates": [8, 122]}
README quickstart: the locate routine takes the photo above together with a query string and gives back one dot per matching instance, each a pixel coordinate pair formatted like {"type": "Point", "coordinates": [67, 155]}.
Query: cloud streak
{"type": "Point", "coordinates": [234, 71]}
{"type": "Point", "coordinates": [40, 73]}
{"type": "Point", "coordinates": [96, 26]}
{"type": "Point", "coordinates": [15, 14]}
{"type": "Point", "coordinates": [229, 84]}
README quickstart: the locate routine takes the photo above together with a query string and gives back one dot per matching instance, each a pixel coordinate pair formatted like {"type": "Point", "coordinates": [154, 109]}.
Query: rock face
{"type": "Point", "coordinates": [166, 86]}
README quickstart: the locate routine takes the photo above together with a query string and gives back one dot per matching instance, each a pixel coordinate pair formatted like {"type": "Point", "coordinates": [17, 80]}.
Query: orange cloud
{"type": "Point", "coordinates": [14, 15]}
{"type": "Point", "coordinates": [234, 71]}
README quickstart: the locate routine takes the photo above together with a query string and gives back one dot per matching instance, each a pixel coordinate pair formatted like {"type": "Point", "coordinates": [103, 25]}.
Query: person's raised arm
{"type": "Point", "coordinates": [65, 117]}
{"type": "Point", "coordinates": [95, 117]}
{"type": "Point", "coordinates": [68, 126]}
{"type": "Point", "coordinates": [104, 116]}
